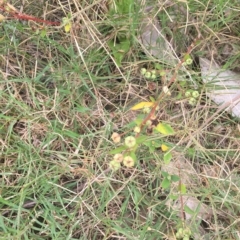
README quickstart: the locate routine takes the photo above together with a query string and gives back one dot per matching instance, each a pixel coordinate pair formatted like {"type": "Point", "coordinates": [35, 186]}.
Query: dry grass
{"type": "Point", "coordinates": [62, 96]}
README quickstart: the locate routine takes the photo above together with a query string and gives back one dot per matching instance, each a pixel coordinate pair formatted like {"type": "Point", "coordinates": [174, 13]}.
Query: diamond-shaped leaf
{"type": "Point", "coordinates": [142, 105]}
{"type": "Point", "coordinates": [164, 129]}
{"type": "Point", "coordinates": [119, 49]}
{"type": "Point", "coordinates": [167, 157]}
{"type": "Point", "coordinates": [165, 183]}
{"type": "Point", "coordinates": [175, 178]}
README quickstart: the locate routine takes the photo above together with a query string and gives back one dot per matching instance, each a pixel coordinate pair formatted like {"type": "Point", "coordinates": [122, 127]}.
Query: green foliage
{"type": "Point", "coordinates": [167, 157]}
{"type": "Point", "coordinates": [59, 95]}
{"type": "Point", "coordinates": [119, 50]}
{"type": "Point", "coordinates": [183, 233]}
{"type": "Point", "coordinates": [118, 150]}
{"type": "Point", "coordinates": [166, 183]}
{"type": "Point", "coordinates": [164, 129]}
{"type": "Point", "coordinates": [123, 13]}
{"type": "Point", "coordinates": [168, 179]}
{"type": "Point", "coordinates": [182, 189]}
{"type": "Point", "coordinates": [153, 145]}
{"type": "Point", "coordinates": [124, 6]}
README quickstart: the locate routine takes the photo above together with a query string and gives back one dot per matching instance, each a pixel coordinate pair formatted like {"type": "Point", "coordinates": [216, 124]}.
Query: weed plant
{"type": "Point", "coordinates": [66, 89]}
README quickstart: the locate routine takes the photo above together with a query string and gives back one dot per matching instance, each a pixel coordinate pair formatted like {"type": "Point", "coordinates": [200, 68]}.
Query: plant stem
{"type": "Point", "coordinates": [20, 16]}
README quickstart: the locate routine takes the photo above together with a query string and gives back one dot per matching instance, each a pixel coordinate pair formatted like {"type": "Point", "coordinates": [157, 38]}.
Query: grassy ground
{"type": "Point", "coordinates": [63, 95]}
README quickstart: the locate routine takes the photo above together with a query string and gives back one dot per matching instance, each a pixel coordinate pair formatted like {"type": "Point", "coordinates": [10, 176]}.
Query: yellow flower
{"type": "Point", "coordinates": [164, 147]}
{"type": "Point", "coordinates": [67, 24]}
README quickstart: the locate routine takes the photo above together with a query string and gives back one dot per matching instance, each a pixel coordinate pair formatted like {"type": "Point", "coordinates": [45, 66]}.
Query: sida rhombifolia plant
{"type": "Point", "coordinates": [126, 154]}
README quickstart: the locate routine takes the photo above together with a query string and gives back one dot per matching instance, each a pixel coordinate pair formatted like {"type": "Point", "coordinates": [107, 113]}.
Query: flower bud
{"type": "Point", "coordinates": [146, 110]}
{"type": "Point", "coordinates": [195, 94]}
{"type": "Point", "coordinates": [130, 141]}
{"type": "Point", "coordinates": [118, 157]}
{"type": "Point", "coordinates": [114, 165]}
{"type": "Point", "coordinates": [148, 75]}
{"type": "Point", "coordinates": [187, 232]}
{"type": "Point", "coordinates": [128, 161]}
{"type": "Point", "coordinates": [153, 76]}
{"type": "Point", "coordinates": [149, 123]}
{"type": "Point", "coordinates": [116, 137]}
{"type": "Point", "coordinates": [192, 101]}
{"type": "Point", "coordinates": [143, 71]}
{"type": "Point", "coordinates": [189, 61]}
{"type": "Point", "coordinates": [137, 129]}
{"type": "Point", "coordinates": [188, 93]}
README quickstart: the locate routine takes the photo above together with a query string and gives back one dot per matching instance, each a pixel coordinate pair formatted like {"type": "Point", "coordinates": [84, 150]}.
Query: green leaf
{"type": "Point", "coordinates": [188, 210]}
{"type": "Point", "coordinates": [153, 143]}
{"type": "Point", "coordinates": [164, 128]}
{"type": "Point", "coordinates": [167, 157]}
{"type": "Point", "coordinates": [156, 143]}
{"type": "Point", "coordinates": [148, 143]}
{"type": "Point", "coordinates": [191, 152]}
{"type": "Point", "coordinates": [119, 49]}
{"type": "Point", "coordinates": [175, 178]}
{"type": "Point", "coordinates": [165, 174]}
{"type": "Point", "coordinates": [187, 56]}
{"type": "Point", "coordinates": [182, 188]}
{"type": "Point", "coordinates": [141, 139]}
{"type": "Point", "coordinates": [165, 183]}
{"type": "Point", "coordinates": [133, 155]}
{"type": "Point", "coordinates": [139, 119]}
{"type": "Point", "coordinates": [70, 134]}
{"type": "Point", "coordinates": [118, 58]}
{"type": "Point", "coordinates": [124, 6]}
{"type": "Point", "coordinates": [43, 33]}
{"type": "Point", "coordinates": [151, 149]}
{"type": "Point", "coordinates": [158, 66]}
{"type": "Point", "coordinates": [179, 96]}
{"type": "Point", "coordinates": [183, 83]}
{"type": "Point", "coordinates": [131, 125]}
{"type": "Point", "coordinates": [118, 150]}
{"type": "Point", "coordinates": [173, 197]}
{"type": "Point", "coordinates": [137, 195]}
{"type": "Point", "coordinates": [124, 46]}
{"type": "Point", "coordinates": [82, 109]}
{"type": "Point", "coordinates": [152, 99]}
